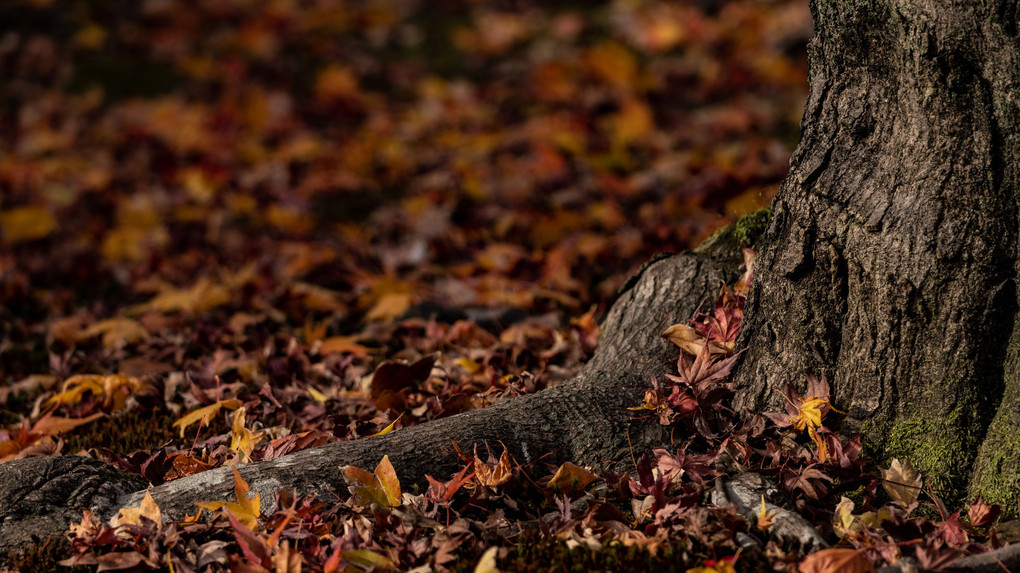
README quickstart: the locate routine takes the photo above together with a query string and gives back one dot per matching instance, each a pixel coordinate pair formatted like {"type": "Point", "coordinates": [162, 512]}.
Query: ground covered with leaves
{"type": "Point", "coordinates": [232, 230]}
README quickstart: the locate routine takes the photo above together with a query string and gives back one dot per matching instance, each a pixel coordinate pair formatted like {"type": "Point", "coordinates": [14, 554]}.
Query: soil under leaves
{"type": "Point", "coordinates": [234, 230]}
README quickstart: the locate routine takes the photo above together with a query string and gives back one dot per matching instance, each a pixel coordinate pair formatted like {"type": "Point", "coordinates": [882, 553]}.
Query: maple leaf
{"type": "Point", "coordinates": [902, 482]}
{"type": "Point", "coordinates": [116, 332]}
{"type": "Point", "coordinates": [114, 389]}
{"type": "Point", "coordinates": [846, 524]}
{"type": "Point", "coordinates": [245, 509]}
{"type": "Point", "coordinates": [367, 559]}
{"type": "Point", "coordinates": [496, 475]}
{"type": "Point", "coordinates": [982, 514]}
{"type": "Point", "coordinates": [205, 414]}
{"type": "Point", "coordinates": [381, 488]}
{"type": "Point", "coordinates": [243, 440]}
{"type": "Point", "coordinates": [703, 372]}
{"type": "Point", "coordinates": [444, 492]}
{"type": "Point", "coordinates": [147, 509]}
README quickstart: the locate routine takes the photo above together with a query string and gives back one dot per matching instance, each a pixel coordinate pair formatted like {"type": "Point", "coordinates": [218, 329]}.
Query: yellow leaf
{"type": "Point", "coordinates": [487, 563]}
{"type": "Point", "coordinates": [114, 389]}
{"type": "Point", "coordinates": [390, 306]}
{"type": "Point", "coordinates": [50, 424]}
{"type": "Point", "coordinates": [200, 297]}
{"type": "Point", "coordinates": [902, 481]}
{"type": "Point", "coordinates": [205, 414]}
{"type": "Point", "coordinates": [388, 429]}
{"type": "Point", "coordinates": [686, 338]}
{"type": "Point", "coordinates": [26, 223]}
{"type": "Point", "coordinates": [246, 509]}
{"type": "Point", "coordinates": [764, 517]}
{"type": "Point", "coordinates": [571, 479]}
{"type": "Point", "coordinates": [367, 559]}
{"type": "Point", "coordinates": [242, 439]}
{"type": "Point", "coordinates": [809, 415]}
{"type": "Point", "coordinates": [468, 365]}
{"type": "Point", "coordinates": [339, 344]}
{"type": "Point", "coordinates": [381, 488]}
{"type": "Point", "coordinates": [117, 332]}
{"type": "Point", "coordinates": [316, 395]}
{"type": "Point", "coordinates": [133, 515]}
{"type": "Point", "coordinates": [843, 520]}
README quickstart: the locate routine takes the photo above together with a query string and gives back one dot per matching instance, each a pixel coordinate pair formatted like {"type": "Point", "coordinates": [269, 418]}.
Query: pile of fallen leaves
{"type": "Point", "coordinates": [322, 220]}
{"type": "Point", "coordinates": [488, 515]}
{"type": "Point", "coordinates": [234, 229]}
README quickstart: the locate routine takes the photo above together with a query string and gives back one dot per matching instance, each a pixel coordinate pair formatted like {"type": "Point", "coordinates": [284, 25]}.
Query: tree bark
{"type": "Point", "coordinates": [890, 263]}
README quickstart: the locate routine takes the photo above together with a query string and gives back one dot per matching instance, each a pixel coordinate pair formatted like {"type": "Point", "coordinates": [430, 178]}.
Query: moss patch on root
{"type": "Point", "coordinates": [749, 228]}
{"type": "Point", "coordinates": [940, 447]}
{"type": "Point", "coordinates": [996, 475]}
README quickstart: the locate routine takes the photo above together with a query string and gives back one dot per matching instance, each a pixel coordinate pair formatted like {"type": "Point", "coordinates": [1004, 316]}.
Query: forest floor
{"type": "Point", "coordinates": [230, 230]}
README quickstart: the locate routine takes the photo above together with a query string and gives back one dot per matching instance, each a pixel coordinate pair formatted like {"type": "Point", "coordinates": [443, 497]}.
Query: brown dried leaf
{"type": "Point", "coordinates": [902, 482]}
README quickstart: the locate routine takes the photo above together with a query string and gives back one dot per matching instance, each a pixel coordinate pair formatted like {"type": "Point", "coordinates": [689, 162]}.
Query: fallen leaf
{"type": "Point", "coordinates": [133, 515]}
{"type": "Point", "coordinates": [487, 562]}
{"type": "Point", "coordinates": [116, 332]}
{"type": "Point", "coordinates": [902, 482]}
{"type": "Point", "coordinates": [983, 514]}
{"type": "Point", "coordinates": [764, 517]}
{"type": "Point", "coordinates": [243, 440]}
{"type": "Point", "coordinates": [836, 560]}
{"type": "Point", "coordinates": [245, 509]}
{"type": "Point", "coordinates": [26, 223]}
{"type": "Point", "coordinates": [570, 479]}
{"type": "Point", "coordinates": [50, 424]}
{"type": "Point", "coordinates": [205, 414]}
{"type": "Point", "coordinates": [496, 475]}
{"type": "Point", "coordinates": [381, 488]}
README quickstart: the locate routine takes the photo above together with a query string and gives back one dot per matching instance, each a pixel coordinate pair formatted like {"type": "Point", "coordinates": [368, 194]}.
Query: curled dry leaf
{"type": "Point", "coordinates": [570, 480]}
{"type": "Point", "coordinates": [493, 476]}
{"type": "Point", "coordinates": [686, 337]}
{"type": "Point", "coordinates": [836, 560]}
{"type": "Point", "coordinates": [902, 482]}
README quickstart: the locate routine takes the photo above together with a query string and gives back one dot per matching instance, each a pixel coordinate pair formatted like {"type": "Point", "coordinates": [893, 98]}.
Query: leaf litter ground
{"type": "Point", "coordinates": [234, 230]}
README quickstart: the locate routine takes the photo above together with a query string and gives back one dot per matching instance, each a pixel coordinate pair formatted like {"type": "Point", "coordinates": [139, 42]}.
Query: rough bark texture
{"type": "Point", "coordinates": [39, 497]}
{"type": "Point", "coordinates": [585, 420]}
{"type": "Point", "coordinates": [890, 262]}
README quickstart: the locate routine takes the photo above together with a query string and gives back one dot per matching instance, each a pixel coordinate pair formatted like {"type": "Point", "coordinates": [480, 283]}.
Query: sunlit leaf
{"type": "Point", "coordinates": [381, 488]}
{"type": "Point", "coordinates": [493, 476]}
{"type": "Point", "coordinates": [133, 515]}
{"type": "Point", "coordinates": [245, 509]}
{"type": "Point", "coordinates": [901, 481]}
{"type": "Point", "coordinates": [487, 562]}
{"type": "Point", "coordinates": [205, 414]}
{"type": "Point", "coordinates": [570, 479]}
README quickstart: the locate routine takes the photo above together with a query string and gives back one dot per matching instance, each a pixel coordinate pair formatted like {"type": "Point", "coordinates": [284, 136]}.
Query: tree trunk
{"type": "Point", "coordinates": [890, 263]}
